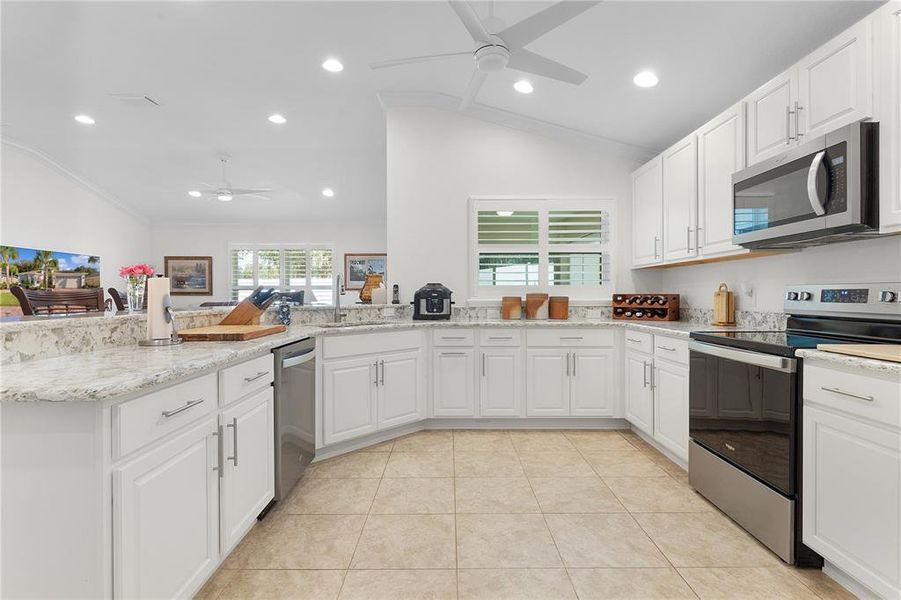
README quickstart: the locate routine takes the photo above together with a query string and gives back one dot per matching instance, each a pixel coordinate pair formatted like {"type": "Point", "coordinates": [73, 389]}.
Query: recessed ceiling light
{"type": "Point", "coordinates": [277, 119]}
{"type": "Point", "coordinates": [523, 86]}
{"type": "Point", "coordinates": [333, 65]}
{"type": "Point", "coordinates": [84, 119]}
{"type": "Point", "coordinates": [224, 197]}
{"type": "Point", "coordinates": [645, 79]}
{"type": "Point", "coordinates": [194, 194]}
{"type": "Point", "coordinates": [328, 192]}
{"type": "Point", "coordinates": [505, 213]}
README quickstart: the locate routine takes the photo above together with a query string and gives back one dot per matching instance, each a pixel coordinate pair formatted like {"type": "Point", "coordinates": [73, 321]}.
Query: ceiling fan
{"type": "Point", "coordinates": [225, 192]}
{"type": "Point", "coordinates": [505, 49]}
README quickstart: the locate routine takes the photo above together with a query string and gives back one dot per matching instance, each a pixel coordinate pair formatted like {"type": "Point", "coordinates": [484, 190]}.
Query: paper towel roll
{"type": "Point", "coordinates": [157, 327]}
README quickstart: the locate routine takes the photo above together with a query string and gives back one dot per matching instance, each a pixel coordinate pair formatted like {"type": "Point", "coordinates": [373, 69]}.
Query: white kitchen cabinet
{"type": "Point", "coordinates": [399, 393]}
{"type": "Point", "coordinates": [349, 398]}
{"type": "Point", "coordinates": [248, 469]}
{"type": "Point", "coordinates": [166, 517]}
{"type": "Point", "coordinates": [680, 206]}
{"type": "Point", "coordinates": [548, 382]}
{"type": "Point", "coordinates": [638, 392]}
{"type": "Point", "coordinates": [670, 384]}
{"type": "Point", "coordinates": [887, 44]}
{"type": "Point", "coordinates": [836, 82]}
{"type": "Point", "coordinates": [500, 382]}
{"type": "Point", "coordinates": [771, 124]}
{"type": "Point", "coordinates": [721, 152]}
{"type": "Point", "coordinates": [592, 383]}
{"type": "Point", "coordinates": [647, 214]}
{"type": "Point", "coordinates": [453, 392]}
{"type": "Point", "coordinates": [562, 382]}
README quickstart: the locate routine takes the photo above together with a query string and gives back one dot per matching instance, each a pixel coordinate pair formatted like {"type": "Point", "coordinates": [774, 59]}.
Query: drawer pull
{"type": "Point", "coordinates": [574, 337]}
{"type": "Point", "coordinates": [453, 337]}
{"type": "Point", "coordinates": [255, 377]}
{"type": "Point", "coordinates": [633, 340]}
{"type": "Point", "coordinates": [453, 354]}
{"type": "Point", "coordinates": [500, 337]}
{"type": "Point", "coordinates": [172, 413]}
{"type": "Point", "coordinates": [849, 394]}
{"type": "Point", "coordinates": [667, 348]}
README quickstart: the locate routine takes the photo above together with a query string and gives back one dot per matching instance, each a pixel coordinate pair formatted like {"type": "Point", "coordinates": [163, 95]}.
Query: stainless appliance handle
{"type": "Point", "coordinates": [298, 359]}
{"type": "Point", "coordinates": [768, 361]}
{"type": "Point", "coordinates": [812, 195]}
{"type": "Point", "coordinates": [258, 375]}
{"type": "Point", "coordinates": [234, 426]}
{"type": "Point", "coordinates": [849, 394]}
{"type": "Point", "coordinates": [189, 404]}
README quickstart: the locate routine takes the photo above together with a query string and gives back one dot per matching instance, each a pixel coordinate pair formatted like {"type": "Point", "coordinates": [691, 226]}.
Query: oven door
{"type": "Point", "coordinates": [743, 408]}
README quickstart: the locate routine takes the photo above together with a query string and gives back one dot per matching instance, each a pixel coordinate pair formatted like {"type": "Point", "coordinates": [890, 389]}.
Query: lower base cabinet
{"type": "Point", "coordinates": [453, 393]}
{"type": "Point", "coordinates": [593, 383]}
{"type": "Point", "coordinates": [671, 406]}
{"type": "Point", "coordinates": [399, 392]}
{"type": "Point", "coordinates": [638, 392]}
{"type": "Point", "coordinates": [500, 382]}
{"type": "Point", "coordinates": [577, 382]}
{"type": "Point", "coordinates": [548, 382]}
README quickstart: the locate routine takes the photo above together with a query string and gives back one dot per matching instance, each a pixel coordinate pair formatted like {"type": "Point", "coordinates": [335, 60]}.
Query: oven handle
{"type": "Point", "coordinates": [812, 196]}
{"type": "Point", "coordinates": [767, 361]}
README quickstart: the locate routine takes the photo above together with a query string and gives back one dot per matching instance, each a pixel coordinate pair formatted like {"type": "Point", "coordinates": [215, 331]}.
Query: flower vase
{"type": "Point", "coordinates": [134, 291]}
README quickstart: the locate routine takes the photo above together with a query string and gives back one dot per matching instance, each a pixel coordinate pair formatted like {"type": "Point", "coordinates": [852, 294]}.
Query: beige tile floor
{"type": "Point", "coordinates": [505, 515]}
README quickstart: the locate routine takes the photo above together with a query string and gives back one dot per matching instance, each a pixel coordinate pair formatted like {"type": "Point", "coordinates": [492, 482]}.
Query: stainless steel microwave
{"type": "Point", "coordinates": [825, 190]}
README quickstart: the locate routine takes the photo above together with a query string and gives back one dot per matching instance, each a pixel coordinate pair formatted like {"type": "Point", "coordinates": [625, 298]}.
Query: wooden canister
{"type": "Point", "coordinates": [536, 306]}
{"type": "Point", "coordinates": [723, 306]}
{"type": "Point", "coordinates": [511, 308]}
{"type": "Point", "coordinates": [558, 308]}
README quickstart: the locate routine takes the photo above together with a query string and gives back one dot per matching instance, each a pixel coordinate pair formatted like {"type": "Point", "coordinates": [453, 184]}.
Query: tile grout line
{"type": "Point", "coordinates": [456, 546]}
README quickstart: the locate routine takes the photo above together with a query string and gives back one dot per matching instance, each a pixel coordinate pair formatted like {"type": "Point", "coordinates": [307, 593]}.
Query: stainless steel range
{"type": "Point", "coordinates": [745, 405]}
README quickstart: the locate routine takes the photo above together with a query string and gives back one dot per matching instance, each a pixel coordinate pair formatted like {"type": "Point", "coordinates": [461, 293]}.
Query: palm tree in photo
{"type": "Point", "coordinates": [43, 259]}
{"type": "Point", "coordinates": [8, 254]}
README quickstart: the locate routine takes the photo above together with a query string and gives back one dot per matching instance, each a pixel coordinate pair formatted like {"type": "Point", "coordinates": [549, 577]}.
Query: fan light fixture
{"type": "Point", "coordinates": [523, 86]}
{"type": "Point", "coordinates": [645, 79]}
{"type": "Point", "coordinates": [505, 213]}
{"type": "Point", "coordinates": [277, 119]}
{"type": "Point", "coordinates": [195, 194]}
{"type": "Point", "coordinates": [84, 119]}
{"type": "Point", "coordinates": [333, 65]}
{"type": "Point", "coordinates": [224, 197]}
{"type": "Point", "coordinates": [328, 192]}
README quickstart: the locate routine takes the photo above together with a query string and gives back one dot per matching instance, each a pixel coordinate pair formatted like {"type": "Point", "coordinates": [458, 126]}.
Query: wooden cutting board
{"type": "Point", "coordinates": [229, 333]}
{"type": "Point", "coordinates": [890, 352]}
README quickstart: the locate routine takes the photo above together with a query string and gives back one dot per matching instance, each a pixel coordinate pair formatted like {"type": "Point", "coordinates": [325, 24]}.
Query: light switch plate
{"type": "Point", "coordinates": [748, 296]}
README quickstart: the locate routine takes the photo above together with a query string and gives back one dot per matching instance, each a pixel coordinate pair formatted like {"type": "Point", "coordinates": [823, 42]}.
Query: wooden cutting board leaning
{"type": "Point", "coordinates": [890, 352]}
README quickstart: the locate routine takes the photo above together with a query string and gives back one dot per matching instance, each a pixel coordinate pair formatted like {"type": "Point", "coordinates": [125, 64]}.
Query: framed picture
{"type": "Point", "coordinates": [190, 275]}
{"type": "Point", "coordinates": [357, 265]}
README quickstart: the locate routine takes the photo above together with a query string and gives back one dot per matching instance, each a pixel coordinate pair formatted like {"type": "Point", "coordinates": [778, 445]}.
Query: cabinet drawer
{"type": "Point", "coordinates": [370, 343]}
{"type": "Point", "coordinates": [674, 349]}
{"type": "Point", "coordinates": [570, 337]}
{"type": "Point", "coordinates": [143, 420]}
{"type": "Point", "coordinates": [854, 392]}
{"type": "Point", "coordinates": [453, 337]}
{"type": "Point", "coordinates": [249, 376]}
{"type": "Point", "coordinates": [639, 341]}
{"type": "Point", "coordinates": [500, 337]}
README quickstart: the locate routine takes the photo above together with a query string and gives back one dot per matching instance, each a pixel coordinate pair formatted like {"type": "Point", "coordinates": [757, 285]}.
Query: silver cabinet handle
{"type": "Point", "coordinates": [500, 337]}
{"type": "Point", "coordinates": [456, 337]}
{"type": "Point", "coordinates": [688, 239]}
{"type": "Point", "coordinates": [172, 413]}
{"type": "Point", "coordinates": [653, 383]}
{"type": "Point", "coordinates": [255, 377]}
{"type": "Point", "coordinates": [575, 337]}
{"type": "Point", "coordinates": [797, 111]}
{"type": "Point", "coordinates": [849, 394]}
{"type": "Point", "coordinates": [567, 364]}
{"type": "Point", "coordinates": [656, 239]}
{"type": "Point", "coordinates": [382, 378]}
{"type": "Point", "coordinates": [633, 340]}
{"type": "Point", "coordinates": [483, 364]}
{"type": "Point", "coordinates": [574, 364]}
{"type": "Point", "coordinates": [453, 354]}
{"type": "Point", "coordinates": [219, 450]}
{"type": "Point", "coordinates": [644, 373]}
{"type": "Point", "coordinates": [376, 365]}
{"type": "Point", "coordinates": [667, 348]}
{"type": "Point", "coordinates": [788, 125]}
{"type": "Point", "coordinates": [698, 239]}
{"type": "Point", "coordinates": [234, 426]}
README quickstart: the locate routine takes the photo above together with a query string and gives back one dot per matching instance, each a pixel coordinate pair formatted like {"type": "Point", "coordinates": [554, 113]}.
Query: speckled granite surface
{"type": "Point", "coordinates": [855, 362]}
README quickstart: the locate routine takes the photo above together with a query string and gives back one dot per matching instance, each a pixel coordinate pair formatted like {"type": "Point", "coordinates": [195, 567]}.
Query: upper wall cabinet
{"type": "Point", "coordinates": [887, 110]}
{"type": "Point", "coordinates": [680, 193]}
{"type": "Point", "coordinates": [771, 125]}
{"type": "Point", "coordinates": [647, 214]}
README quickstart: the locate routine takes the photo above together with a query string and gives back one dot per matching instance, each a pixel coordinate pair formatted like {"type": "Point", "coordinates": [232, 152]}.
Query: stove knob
{"type": "Point", "coordinates": [806, 296]}
{"type": "Point", "coordinates": [887, 296]}
{"type": "Point", "coordinates": [791, 296]}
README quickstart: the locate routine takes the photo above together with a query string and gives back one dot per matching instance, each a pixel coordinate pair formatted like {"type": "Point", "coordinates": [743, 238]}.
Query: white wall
{"type": "Point", "coordinates": [44, 207]}
{"type": "Point", "coordinates": [213, 240]}
{"type": "Point", "coordinates": [867, 261]}
{"type": "Point", "coordinates": [438, 159]}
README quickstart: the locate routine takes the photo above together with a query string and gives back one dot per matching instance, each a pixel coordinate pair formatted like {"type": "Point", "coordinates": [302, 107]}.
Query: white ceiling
{"type": "Point", "coordinates": [218, 69]}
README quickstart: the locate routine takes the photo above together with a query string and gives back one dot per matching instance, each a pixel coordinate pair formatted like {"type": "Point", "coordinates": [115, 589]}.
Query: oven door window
{"type": "Point", "coordinates": [745, 414]}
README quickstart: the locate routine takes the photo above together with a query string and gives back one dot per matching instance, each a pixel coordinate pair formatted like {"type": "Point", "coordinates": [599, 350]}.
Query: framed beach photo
{"type": "Point", "coordinates": [189, 275]}
{"type": "Point", "coordinates": [357, 265]}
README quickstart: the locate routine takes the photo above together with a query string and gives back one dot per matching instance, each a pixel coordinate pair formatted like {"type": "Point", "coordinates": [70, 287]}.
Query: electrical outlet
{"type": "Point", "coordinates": [748, 296]}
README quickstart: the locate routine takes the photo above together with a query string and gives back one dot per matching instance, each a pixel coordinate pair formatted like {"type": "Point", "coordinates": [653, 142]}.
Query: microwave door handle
{"type": "Point", "coordinates": [812, 196]}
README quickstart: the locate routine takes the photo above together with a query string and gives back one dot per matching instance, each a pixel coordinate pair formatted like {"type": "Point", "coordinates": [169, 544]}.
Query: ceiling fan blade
{"type": "Point", "coordinates": [529, 62]}
{"type": "Point", "coordinates": [472, 89]}
{"type": "Point", "coordinates": [415, 59]}
{"type": "Point", "coordinates": [532, 28]}
{"type": "Point", "coordinates": [246, 191]}
{"type": "Point", "coordinates": [256, 196]}
{"type": "Point", "coordinates": [467, 14]}
{"type": "Point", "coordinates": [205, 184]}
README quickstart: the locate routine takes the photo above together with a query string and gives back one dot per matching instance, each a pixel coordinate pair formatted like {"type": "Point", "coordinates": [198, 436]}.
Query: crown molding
{"type": "Point", "coordinates": [514, 120]}
{"type": "Point", "coordinates": [80, 180]}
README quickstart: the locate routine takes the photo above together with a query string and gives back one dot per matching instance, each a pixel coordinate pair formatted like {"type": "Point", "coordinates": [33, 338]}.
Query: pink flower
{"type": "Point", "coordinates": [136, 270]}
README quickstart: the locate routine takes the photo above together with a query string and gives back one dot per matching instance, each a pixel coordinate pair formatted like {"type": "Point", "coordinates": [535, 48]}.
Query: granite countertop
{"type": "Point", "coordinates": [856, 362]}
{"type": "Point", "coordinates": [130, 370]}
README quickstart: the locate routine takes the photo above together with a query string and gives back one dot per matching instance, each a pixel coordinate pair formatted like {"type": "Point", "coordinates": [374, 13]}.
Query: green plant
{"type": "Point", "coordinates": [7, 255]}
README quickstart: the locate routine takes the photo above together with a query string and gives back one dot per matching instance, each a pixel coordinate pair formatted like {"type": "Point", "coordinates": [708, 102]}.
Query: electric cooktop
{"type": "Point", "coordinates": [782, 343]}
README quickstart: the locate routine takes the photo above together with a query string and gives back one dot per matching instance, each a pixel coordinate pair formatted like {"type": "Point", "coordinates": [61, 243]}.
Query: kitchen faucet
{"type": "Point", "coordinates": [339, 291]}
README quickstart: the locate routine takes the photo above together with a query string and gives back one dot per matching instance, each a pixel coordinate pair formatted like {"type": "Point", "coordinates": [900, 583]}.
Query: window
{"type": "Point", "coordinates": [554, 245]}
{"type": "Point", "coordinates": [287, 267]}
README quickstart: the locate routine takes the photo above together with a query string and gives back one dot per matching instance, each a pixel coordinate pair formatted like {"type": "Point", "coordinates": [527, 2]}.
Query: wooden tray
{"type": "Point", "coordinates": [890, 352]}
{"type": "Point", "coordinates": [229, 333]}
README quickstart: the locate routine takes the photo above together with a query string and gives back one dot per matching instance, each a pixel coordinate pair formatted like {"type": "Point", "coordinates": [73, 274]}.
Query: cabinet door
{"type": "Point", "coordinates": [721, 152]}
{"type": "Point", "coordinates": [593, 383]}
{"type": "Point", "coordinates": [248, 474]}
{"type": "Point", "coordinates": [771, 127]}
{"type": "Point", "coordinates": [453, 383]}
{"type": "Point", "coordinates": [500, 383]}
{"type": "Point", "coordinates": [547, 385]}
{"type": "Point", "coordinates": [671, 407]}
{"type": "Point", "coordinates": [166, 517]}
{"type": "Point", "coordinates": [887, 37]}
{"type": "Point", "coordinates": [348, 398]}
{"type": "Point", "coordinates": [647, 214]}
{"type": "Point", "coordinates": [852, 491]}
{"type": "Point", "coordinates": [400, 394]}
{"type": "Point", "coordinates": [638, 393]}
{"type": "Point", "coordinates": [836, 82]}
{"type": "Point", "coordinates": [680, 200]}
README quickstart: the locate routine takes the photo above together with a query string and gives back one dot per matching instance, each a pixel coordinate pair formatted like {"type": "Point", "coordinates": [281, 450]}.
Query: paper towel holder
{"type": "Point", "coordinates": [173, 339]}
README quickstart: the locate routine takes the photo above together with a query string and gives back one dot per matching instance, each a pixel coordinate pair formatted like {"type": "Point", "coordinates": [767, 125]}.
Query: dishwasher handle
{"type": "Point", "coordinates": [297, 359]}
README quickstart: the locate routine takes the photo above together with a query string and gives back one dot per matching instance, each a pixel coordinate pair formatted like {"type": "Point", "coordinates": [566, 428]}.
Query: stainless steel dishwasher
{"type": "Point", "coordinates": [295, 413]}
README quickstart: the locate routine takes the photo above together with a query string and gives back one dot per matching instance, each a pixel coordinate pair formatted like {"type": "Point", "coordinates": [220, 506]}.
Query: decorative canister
{"type": "Point", "coordinates": [723, 306]}
{"type": "Point", "coordinates": [536, 307]}
{"type": "Point", "coordinates": [511, 308]}
{"type": "Point", "coordinates": [283, 311]}
{"type": "Point", "coordinates": [558, 308]}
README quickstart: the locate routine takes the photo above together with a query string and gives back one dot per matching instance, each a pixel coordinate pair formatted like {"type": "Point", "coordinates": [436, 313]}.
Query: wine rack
{"type": "Point", "coordinates": [646, 307]}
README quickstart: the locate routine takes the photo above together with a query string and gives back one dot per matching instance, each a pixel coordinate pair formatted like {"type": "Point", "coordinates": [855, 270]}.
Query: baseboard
{"type": "Point", "coordinates": [664, 451]}
{"type": "Point", "coordinates": [848, 582]}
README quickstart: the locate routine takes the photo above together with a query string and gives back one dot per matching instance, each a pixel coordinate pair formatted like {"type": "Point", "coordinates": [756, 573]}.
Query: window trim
{"type": "Point", "coordinates": [543, 204]}
{"type": "Point", "coordinates": [307, 287]}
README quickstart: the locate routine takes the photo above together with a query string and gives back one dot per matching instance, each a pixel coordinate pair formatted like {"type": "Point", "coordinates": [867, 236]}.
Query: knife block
{"type": "Point", "coordinates": [245, 313]}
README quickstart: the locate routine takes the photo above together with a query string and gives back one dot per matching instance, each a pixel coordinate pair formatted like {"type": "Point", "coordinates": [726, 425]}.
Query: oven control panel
{"type": "Point", "coordinates": [873, 300]}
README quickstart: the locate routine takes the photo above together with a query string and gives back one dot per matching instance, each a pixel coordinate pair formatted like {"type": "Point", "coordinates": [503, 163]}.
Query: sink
{"type": "Point", "coordinates": [352, 324]}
